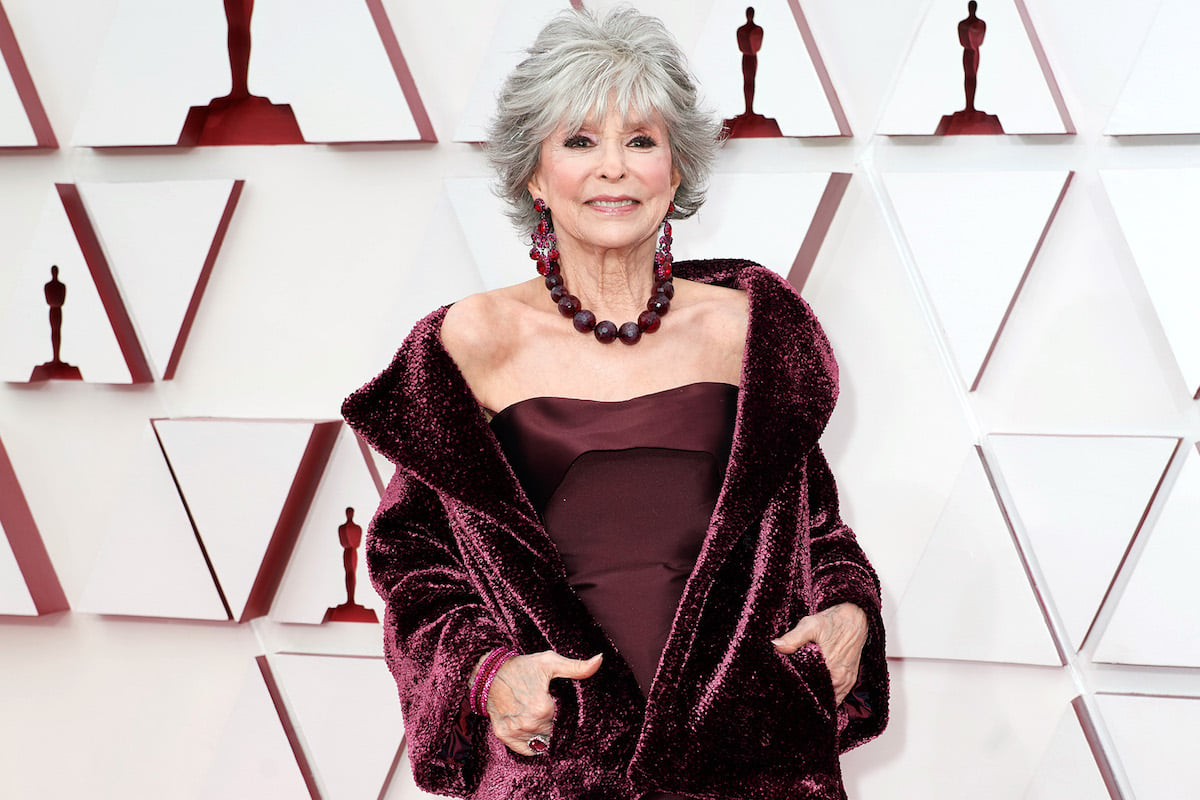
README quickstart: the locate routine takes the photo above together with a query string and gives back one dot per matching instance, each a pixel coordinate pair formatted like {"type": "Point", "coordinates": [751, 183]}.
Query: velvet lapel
{"type": "Point", "coordinates": [420, 414]}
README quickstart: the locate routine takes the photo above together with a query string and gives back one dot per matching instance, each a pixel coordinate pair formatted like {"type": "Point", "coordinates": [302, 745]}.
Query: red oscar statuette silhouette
{"type": "Point", "coordinates": [749, 124]}
{"type": "Point", "coordinates": [350, 535]}
{"type": "Point", "coordinates": [55, 368]}
{"type": "Point", "coordinates": [240, 117]}
{"type": "Point", "coordinates": [970, 120]}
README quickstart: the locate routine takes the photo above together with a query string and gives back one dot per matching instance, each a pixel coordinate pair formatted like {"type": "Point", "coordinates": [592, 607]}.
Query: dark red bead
{"type": "Point", "coordinates": [665, 287]}
{"type": "Point", "coordinates": [569, 305]}
{"type": "Point", "coordinates": [630, 333]}
{"type": "Point", "coordinates": [558, 292]}
{"type": "Point", "coordinates": [584, 321]}
{"type": "Point", "coordinates": [554, 279]}
{"type": "Point", "coordinates": [659, 304]}
{"type": "Point", "coordinates": [605, 331]}
{"type": "Point", "coordinates": [648, 321]}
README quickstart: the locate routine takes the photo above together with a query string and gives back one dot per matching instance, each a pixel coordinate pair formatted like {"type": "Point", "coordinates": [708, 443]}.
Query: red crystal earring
{"type": "Point", "coordinates": [545, 253]}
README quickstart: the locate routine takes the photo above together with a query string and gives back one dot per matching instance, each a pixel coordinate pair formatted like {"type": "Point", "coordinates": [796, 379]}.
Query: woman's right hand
{"type": "Point", "coordinates": [519, 703]}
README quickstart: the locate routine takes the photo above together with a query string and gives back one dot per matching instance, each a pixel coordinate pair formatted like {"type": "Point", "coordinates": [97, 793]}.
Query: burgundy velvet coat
{"type": "Point", "coordinates": [465, 565]}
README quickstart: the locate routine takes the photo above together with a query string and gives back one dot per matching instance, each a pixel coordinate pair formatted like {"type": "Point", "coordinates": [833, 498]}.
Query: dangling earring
{"type": "Point", "coordinates": [545, 243]}
{"type": "Point", "coordinates": [662, 254]}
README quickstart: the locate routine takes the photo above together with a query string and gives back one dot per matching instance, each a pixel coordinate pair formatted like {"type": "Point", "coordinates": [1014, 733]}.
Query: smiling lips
{"type": "Point", "coordinates": [611, 202]}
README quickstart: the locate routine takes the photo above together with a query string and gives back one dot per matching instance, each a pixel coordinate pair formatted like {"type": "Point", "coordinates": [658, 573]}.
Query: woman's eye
{"type": "Point", "coordinates": [642, 141]}
{"type": "Point", "coordinates": [577, 141]}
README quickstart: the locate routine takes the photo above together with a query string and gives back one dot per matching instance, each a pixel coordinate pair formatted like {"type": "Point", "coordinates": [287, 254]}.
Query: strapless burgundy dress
{"type": "Point", "coordinates": [626, 490]}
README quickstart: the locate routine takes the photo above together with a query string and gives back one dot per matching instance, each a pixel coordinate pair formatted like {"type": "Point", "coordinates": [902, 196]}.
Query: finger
{"type": "Point", "coordinates": [808, 629]}
{"type": "Point", "coordinates": [573, 668]}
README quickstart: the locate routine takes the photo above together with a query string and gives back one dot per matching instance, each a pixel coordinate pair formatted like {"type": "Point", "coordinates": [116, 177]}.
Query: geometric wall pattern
{"type": "Point", "coordinates": [974, 237]}
{"type": "Point", "coordinates": [1067, 490]}
{"type": "Point", "coordinates": [1156, 621]}
{"type": "Point", "coordinates": [1159, 94]}
{"type": "Point", "coordinates": [1014, 446]}
{"type": "Point", "coordinates": [1156, 210]}
{"type": "Point", "coordinates": [372, 99]}
{"type": "Point", "coordinates": [1014, 80]}
{"type": "Point", "coordinates": [23, 120]}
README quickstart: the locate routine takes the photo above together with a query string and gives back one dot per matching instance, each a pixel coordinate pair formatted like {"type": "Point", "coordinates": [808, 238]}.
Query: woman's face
{"type": "Point", "coordinates": [608, 185]}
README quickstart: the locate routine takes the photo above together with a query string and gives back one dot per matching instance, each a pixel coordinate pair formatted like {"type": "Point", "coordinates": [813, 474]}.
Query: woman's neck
{"type": "Point", "coordinates": [611, 283]}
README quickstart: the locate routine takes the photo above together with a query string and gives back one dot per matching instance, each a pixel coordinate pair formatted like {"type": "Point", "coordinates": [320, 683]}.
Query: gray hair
{"type": "Point", "coordinates": [576, 66]}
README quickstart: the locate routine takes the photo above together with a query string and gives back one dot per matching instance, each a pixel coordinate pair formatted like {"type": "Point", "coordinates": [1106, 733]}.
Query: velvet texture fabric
{"type": "Point", "coordinates": [462, 560]}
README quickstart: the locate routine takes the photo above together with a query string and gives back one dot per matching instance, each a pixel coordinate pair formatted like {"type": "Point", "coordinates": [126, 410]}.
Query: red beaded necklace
{"type": "Point", "coordinates": [545, 253]}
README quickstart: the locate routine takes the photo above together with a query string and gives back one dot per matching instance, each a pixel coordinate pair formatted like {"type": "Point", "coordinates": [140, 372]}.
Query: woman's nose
{"type": "Point", "coordinates": [612, 161]}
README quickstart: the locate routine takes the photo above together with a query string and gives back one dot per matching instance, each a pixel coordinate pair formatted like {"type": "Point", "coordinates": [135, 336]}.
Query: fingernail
{"type": "Point", "coordinates": [777, 642]}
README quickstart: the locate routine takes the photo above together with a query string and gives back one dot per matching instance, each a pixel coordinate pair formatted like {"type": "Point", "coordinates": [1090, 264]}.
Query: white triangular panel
{"type": "Point", "coordinates": [499, 252]}
{"type": "Point", "coordinates": [788, 86]}
{"type": "Point", "coordinates": [157, 237]}
{"type": "Point", "coordinates": [1155, 738]}
{"type": "Point", "coordinates": [150, 564]}
{"type": "Point", "coordinates": [783, 203]}
{"type": "Point", "coordinates": [1072, 489]}
{"type": "Point", "coordinates": [1068, 767]}
{"type": "Point", "coordinates": [1012, 82]}
{"type": "Point", "coordinates": [327, 61]}
{"type": "Point", "coordinates": [1160, 92]}
{"type": "Point", "coordinates": [347, 719]}
{"type": "Point", "coordinates": [1157, 210]}
{"type": "Point", "coordinates": [158, 60]}
{"type": "Point", "coordinates": [15, 598]}
{"type": "Point", "coordinates": [516, 28]}
{"type": "Point", "coordinates": [1156, 621]}
{"type": "Point", "coordinates": [88, 340]}
{"type": "Point", "coordinates": [949, 609]}
{"type": "Point", "coordinates": [255, 758]}
{"type": "Point", "coordinates": [15, 128]}
{"type": "Point", "coordinates": [315, 577]}
{"type": "Point", "coordinates": [974, 236]}
{"type": "Point", "coordinates": [235, 476]}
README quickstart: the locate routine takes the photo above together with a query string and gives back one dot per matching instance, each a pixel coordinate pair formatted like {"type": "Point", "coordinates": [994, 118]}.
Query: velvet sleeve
{"type": "Point", "coordinates": [435, 627]}
{"type": "Point", "coordinates": [842, 574]}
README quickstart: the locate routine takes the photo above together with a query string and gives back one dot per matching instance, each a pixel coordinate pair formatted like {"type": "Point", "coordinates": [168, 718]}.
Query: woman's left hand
{"type": "Point", "coordinates": [840, 631]}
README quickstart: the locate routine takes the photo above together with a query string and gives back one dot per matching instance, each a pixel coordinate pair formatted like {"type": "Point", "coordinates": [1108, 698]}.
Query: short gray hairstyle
{"type": "Point", "coordinates": [578, 64]}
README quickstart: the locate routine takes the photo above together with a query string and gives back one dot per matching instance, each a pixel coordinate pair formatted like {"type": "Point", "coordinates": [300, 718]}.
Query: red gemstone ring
{"type": "Point", "coordinates": [539, 744]}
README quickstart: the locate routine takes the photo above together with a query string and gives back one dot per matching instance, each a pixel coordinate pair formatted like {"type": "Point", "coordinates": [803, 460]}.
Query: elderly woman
{"type": "Point", "coordinates": [618, 570]}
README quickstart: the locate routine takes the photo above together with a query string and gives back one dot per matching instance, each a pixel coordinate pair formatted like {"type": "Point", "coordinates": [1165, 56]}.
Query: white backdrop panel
{"type": "Point", "coordinates": [974, 236]}
{"type": "Point", "coordinates": [345, 713]}
{"type": "Point", "coordinates": [235, 476]}
{"type": "Point", "coordinates": [315, 578]}
{"type": "Point", "coordinates": [1156, 620]}
{"type": "Point", "coordinates": [150, 564]}
{"type": "Point", "coordinates": [326, 59]}
{"type": "Point", "coordinates": [1068, 767]}
{"type": "Point", "coordinates": [515, 30]}
{"type": "Point", "coordinates": [1011, 82]}
{"type": "Point", "coordinates": [88, 341]}
{"type": "Point", "coordinates": [1070, 490]}
{"type": "Point", "coordinates": [157, 237]}
{"type": "Point", "coordinates": [15, 127]}
{"type": "Point", "coordinates": [787, 85]}
{"type": "Point", "coordinates": [950, 609]}
{"type": "Point", "coordinates": [254, 758]}
{"type": "Point", "coordinates": [1160, 93]}
{"type": "Point", "coordinates": [1157, 210]}
{"type": "Point", "coordinates": [1156, 743]}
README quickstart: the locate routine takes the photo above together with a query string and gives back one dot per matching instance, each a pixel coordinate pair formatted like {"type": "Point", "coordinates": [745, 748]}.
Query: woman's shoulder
{"type": "Point", "coordinates": [476, 330]}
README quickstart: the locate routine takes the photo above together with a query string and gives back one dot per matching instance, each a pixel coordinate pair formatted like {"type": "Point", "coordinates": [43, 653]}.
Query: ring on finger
{"type": "Point", "coordinates": [539, 743]}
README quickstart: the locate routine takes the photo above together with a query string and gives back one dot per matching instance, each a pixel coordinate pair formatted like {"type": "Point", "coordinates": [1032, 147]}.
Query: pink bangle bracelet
{"type": "Point", "coordinates": [483, 678]}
